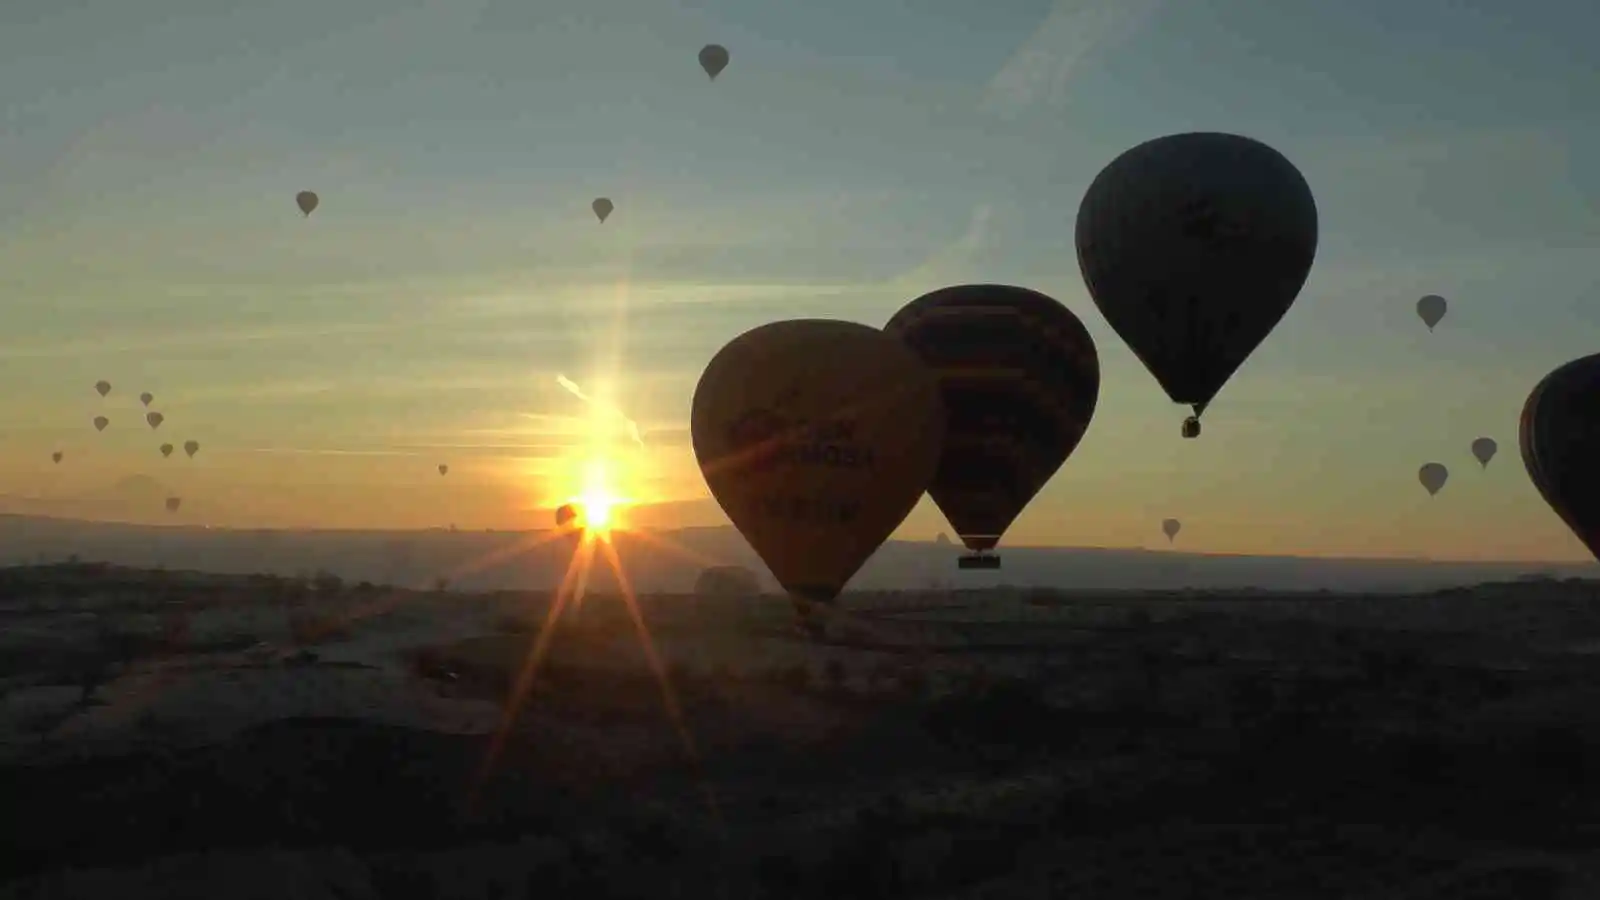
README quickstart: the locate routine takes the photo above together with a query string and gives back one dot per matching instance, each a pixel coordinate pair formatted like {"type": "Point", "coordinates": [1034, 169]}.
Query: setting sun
{"type": "Point", "coordinates": [597, 502]}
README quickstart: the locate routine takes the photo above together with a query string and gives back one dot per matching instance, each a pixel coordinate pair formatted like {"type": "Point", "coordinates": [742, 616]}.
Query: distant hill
{"type": "Point", "coordinates": [670, 561]}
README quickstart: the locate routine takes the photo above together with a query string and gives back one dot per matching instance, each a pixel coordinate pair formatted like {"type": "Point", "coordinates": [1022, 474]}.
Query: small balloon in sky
{"type": "Point", "coordinates": [155, 419]}
{"type": "Point", "coordinates": [307, 201]}
{"type": "Point", "coordinates": [565, 514]}
{"type": "Point", "coordinates": [713, 58]}
{"type": "Point", "coordinates": [104, 387]}
{"type": "Point", "coordinates": [147, 398]}
{"type": "Point", "coordinates": [173, 503]}
{"type": "Point", "coordinates": [56, 456]}
{"type": "Point", "coordinates": [100, 423]}
{"type": "Point", "coordinates": [602, 207]}
{"type": "Point", "coordinates": [1433, 476]}
{"type": "Point", "coordinates": [1431, 310]}
{"type": "Point", "coordinates": [1484, 449]}
{"type": "Point", "coordinates": [166, 449]}
{"type": "Point", "coordinates": [191, 448]}
{"type": "Point", "coordinates": [1170, 528]}
{"type": "Point", "coordinates": [444, 469]}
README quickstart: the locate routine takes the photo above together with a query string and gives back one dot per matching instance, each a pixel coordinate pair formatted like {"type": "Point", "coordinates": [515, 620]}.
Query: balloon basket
{"type": "Point", "coordinates": [1191, 427]}
{"type": "Point", "coordinates": [978, 561]}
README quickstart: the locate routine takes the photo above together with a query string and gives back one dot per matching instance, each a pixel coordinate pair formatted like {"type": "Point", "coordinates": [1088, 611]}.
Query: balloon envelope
{"type": "Point", "coordinates": [713, 58]}
{"type": "Point", "coordinates": [1171, 527]}
{"type": "Point", "coordinates": [155, 419]}
{"type": "Point", "coordinates": [56, 456]}
{"type": "Point", "coordinates": [816, 437]}
{"type": "Point", "coordinates": [191, 447]}
{"type": "Point", "coordinates": [1431, 310]}
{"type": "Point", "coordinates": [602, 208]}
{"type": "Point", "coordinates": [166, 449]}
{"type": "Point", "coordinates": [307, 201]}
{"type": "Point", "coordinates": [1484, 449]}
{"type": "Point", "coordinates": [1433, 476]}
{"type": "Point", "coordinates": [1194, 246]}
{"type": "Point", "coordinates": [103, 387]}
{"type": "Point", "coordinates": [444, 469]}
{"type": "Point", "coordinates": [1560, 442]}
{"type": "Point", "coordinates": [1019, 377]}
{"type": "Point", "coordinates": [173, 503]}
{"type": "Point", "coordinates": [100, 423]}
{"type": "Point", "coordinates": [146, 398]}
{"type": "Point", "coordinates": [565, 515]}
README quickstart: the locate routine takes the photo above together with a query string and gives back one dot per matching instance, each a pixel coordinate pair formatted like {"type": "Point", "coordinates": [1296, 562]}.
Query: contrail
{"type": "Point", "coordinates": [574, 390]}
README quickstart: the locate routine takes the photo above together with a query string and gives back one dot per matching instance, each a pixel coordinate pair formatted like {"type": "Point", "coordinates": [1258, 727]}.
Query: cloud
{"type": "Point", "coordinates": [951, 262]}
{"type": "Point", "coordinates": [1039, 72]}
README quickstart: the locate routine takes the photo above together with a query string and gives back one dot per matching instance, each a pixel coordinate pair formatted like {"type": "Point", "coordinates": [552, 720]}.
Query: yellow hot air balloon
{"type": "Point", "coordinates": [816, 437]}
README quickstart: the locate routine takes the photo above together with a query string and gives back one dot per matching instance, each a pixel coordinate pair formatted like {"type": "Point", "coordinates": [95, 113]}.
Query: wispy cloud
{"type": "Point", "coordinates": [1039, 72]}
{"type": "Point", "coordinates": [953, 261]}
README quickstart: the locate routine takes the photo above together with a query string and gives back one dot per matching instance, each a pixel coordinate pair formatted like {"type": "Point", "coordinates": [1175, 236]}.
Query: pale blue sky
{"type": "Point", "coordinates": [852, 156]}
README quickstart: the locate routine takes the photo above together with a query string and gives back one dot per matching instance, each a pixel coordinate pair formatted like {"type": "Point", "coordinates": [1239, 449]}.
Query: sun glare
{"type": "Point", "coordinates": [597, 501]}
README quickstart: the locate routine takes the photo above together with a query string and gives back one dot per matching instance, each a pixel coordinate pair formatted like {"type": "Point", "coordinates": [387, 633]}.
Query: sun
{"type": "Point", "coordinates": [597, 501]}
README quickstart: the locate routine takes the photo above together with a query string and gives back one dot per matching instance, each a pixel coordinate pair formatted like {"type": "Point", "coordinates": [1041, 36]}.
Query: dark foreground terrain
{"type": "Point", "coordinates": [1172, 747]}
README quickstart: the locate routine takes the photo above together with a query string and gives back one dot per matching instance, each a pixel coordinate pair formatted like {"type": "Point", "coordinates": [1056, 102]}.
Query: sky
{"type": "Point", "coordinates": [852, 157]}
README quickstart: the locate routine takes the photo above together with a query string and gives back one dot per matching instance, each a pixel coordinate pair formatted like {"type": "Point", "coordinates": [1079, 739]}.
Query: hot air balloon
{"type": "Point", "coordinates": [1019, 377]}
{"type": "Point", "coordinates": [191, 448]}
{"type": "Point", "coordinates": [566, 514]}
{"type": "Point", "coordinates": [1560, 442]}
{"type": "Point", "coordinates": [1170, 528]}
{"type": "Point", "coordinates": [713, 58]}
{"type": "Point", "coordinates": [173, 503]}
{"type": "Point", "coordinates": [1433, 476]}
{"type": "Point", "coordinates": [100, 423]}
{"type": "Point", "coordinates": [1484, 449]}
{"type": "Point", "coordinates": [444, 469]}
{"type": "Point", "coordinates": [1194, 246]}
{"type": "Point", "coordinates": [166, 449]}
{"type": "Point", "coordinates": [103, 387]}
{"type": "Point", "coordinates": [307, 201]}
{"type": "Point", "coordinates": [147, 398]}
{"type": "Point", "coordinates": [1431, 310]}
{"type": "Point", "coordinates": [56, 456]}
{"type": "Point", "coordinates": [155, 419]}
{"type": "Point", "coordinates": [602, 208]}
{"type": "Point", "coordinates": [816, 437]}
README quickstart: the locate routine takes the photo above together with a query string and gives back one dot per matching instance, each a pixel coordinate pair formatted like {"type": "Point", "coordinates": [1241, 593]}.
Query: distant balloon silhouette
{"type": "Point", "coordinates": [1194, 246]}
{"type": "Point", "coordinates": [816, 437]}
{"type": "Point", "coordinates": [103, 387]}
{"type": "Point", "coordinates": [1484, 450]}
{"type": "Point", "coordinates": [307, 201]}
{"type": "Point", "coordinates": [155, 419]}
{"type": "Point", "coordinates": [566, 514]}
{"type": "Point", "coordinates": [444, 469]}
{"type": "Point", "coordinates": [1433, 476]}
{"type": "Point", "coordinates": [1560, 442]}
{"type": "Point", "coordinates": [1170, 528]}
{"type": "Point", "coordinates": [173, 503]}
{"type": "Point", "coordinates": [147, 398]}
{"type": "Point", "coordinates": [1019, 377]}
{"type": "Point", "coordinates": [100, 423]}
{"type": "Point", "coordinates": [166, 449]}
{"type": "Point", "coordinates": [713, 58]}
{"type": "Point", "coordinates": [191, 448]}
{"type": "Point", "coordinates": [1431, 310]}
{"type": "Point", "coordinates": [56, 456]}
{"type": "Point", "coordinates": [602, 208]}
{"type": "Point", "coordinates": [943, 540]}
